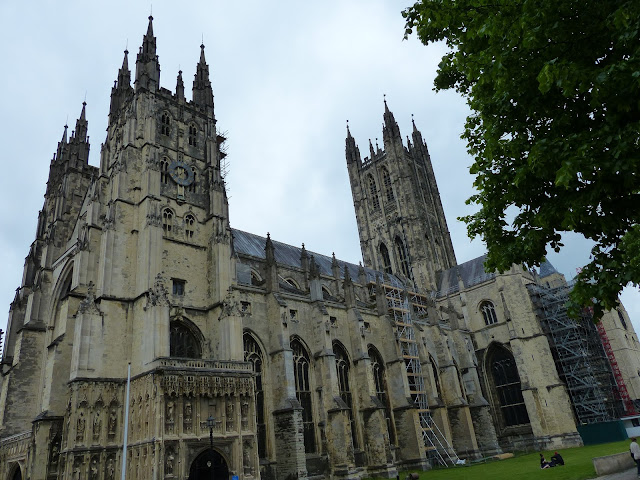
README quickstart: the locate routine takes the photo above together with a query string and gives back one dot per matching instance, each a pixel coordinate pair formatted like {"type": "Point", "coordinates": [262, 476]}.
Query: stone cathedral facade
{"type": "Point", "coordinates": [250, 357]}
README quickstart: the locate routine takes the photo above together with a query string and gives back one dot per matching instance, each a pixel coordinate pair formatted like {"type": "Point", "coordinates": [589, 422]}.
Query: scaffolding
{"type": "Point", "coordinates": [400, 305]}
{"type": "Point", "coordinates": [579, 356]}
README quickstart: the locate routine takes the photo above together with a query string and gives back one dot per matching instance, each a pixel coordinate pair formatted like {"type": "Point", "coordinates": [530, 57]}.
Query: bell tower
{"type": "Point", "coordinates": [400, 218]}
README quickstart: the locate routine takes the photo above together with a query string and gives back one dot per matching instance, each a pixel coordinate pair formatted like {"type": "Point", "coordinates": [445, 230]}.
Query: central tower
{"type": "Point", "coordinates": [401, 223]}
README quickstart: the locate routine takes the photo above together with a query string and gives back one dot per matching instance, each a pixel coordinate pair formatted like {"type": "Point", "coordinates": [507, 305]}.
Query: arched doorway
{"type": "Point", "coordinates": [209, 465]}
{"type": "Point", "coordinates": [17, 474]}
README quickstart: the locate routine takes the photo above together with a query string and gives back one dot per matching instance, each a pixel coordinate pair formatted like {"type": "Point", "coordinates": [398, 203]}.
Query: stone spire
{"type": "Point", "coordinates": [147, 66]}
{"type": "Point", "coordinates": [121, 87]}
{"type": "Point", "coordinates": [352, 152]}
{"type": "Point", "coordinates": [390, 130]}
{"type": "Point", "coordinates": [202, 93]}
{"type": "Point", "coordinates": [79, 135]}
{"type": "Point", "coordinates": [180, 86]}
{"type": "Point", "coordinates": [416, 135]}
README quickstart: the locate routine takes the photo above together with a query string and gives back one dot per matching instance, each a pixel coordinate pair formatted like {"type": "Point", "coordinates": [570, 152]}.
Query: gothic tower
{"type": "Point", "coordinates": [400, 219]}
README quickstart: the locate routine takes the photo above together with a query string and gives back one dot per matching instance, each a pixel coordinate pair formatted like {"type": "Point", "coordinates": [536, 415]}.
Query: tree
{"type": "Point", "coordinates": [554, 89]}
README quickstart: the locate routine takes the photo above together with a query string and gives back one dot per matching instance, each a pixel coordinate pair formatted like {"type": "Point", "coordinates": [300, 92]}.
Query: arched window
{"type": "Point", "coordinates": [165, 124]}
{"type": "Point", "coordinates": [343, 367]}
{"type": "Point", "coordinates": [192, 186]}
{"type": "Point", "coordinates": [253, 354]}
{"type": "Point", "coordinates": [436, 376]}
{"type": "Point", "coordinates": [303, 393]}
{"type": "Point", "coordinates": [193, 132]}
{"type": "Point", "coordinates": [293, 283]}
{"type": "Point", "coordinates": [373, 191]}
{"type": "Point", "coordinates": [182, 342]}
{"type": "Point", "coordinates": [402, 256]}
{"type": "Point", "coordinates": [488, 313]}
{"type": "Point", "coordinates": [377, 365]}
{"type": "Point", "coordinates": [326, 294]}
{"type": "Point", "coordinates": [506, 382]}
{"type": "Point", "coordinates": [386, 180]}
{"type": "Point", "coordinates": [164, 171]}
{"type": "Point", "coordinates": [167, 221]}
{"type": "Point", "coordinates": [386, 260]}
{"type": "Point", "coordinates": [189, 226]}
{"type": "Point", "coordinates": [255, 279]}
{"type": "Point", "coordinates": [621, 317]}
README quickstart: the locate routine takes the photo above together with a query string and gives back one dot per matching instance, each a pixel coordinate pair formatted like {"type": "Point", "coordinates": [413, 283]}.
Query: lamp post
{"type": "Point", "coordinates": [211, 423]}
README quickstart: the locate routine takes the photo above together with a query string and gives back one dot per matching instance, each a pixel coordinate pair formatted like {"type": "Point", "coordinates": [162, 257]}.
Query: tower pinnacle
{"type": "Point", "coordinates": [147, 66]}
{"type": "Point", "coordinates": [390, 130]}
{"type": "Point", "coordinates": [202, 93]}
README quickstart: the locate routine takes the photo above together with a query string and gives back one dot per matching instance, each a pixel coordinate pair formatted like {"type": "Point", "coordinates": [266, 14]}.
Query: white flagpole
{"type": "Point", "coordinates": [126, 426]}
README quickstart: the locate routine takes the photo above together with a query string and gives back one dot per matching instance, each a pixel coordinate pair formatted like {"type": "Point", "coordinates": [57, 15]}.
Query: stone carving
{"type": "Point", "coordinates": [231, 307]}
{"type": "Point", "coordinates": [188, 415]}
{"type": "Point", "coordinates": [207, 386]}
{"type": "Point", "coordinates": [77, 467]}
{"type": "Point", "coordinates": [229, 411]}
{"type": "Point", "coordinates": [169, 421]}
{"type": "Point", "coordinates": [94, 468]}
{"type": "Point", "coordinates": [111, 468]}
{"type": "Point", "coordinates": [80, 427]}
{"type": "Point", "coordinates": [97, 426]}
{"type": "Point", "coordinates": [153, 216]}
{"type": "Point", "coordinates": [168, 468]}
{"type": "Point", "coordinates": [55, 455]}
{"type": "Point", "coordinates": [113, 421]}
{"type": "Point", "coordinates": [244, 410]}
{"type": "Point", "coordinates": [157, 295]}
{"type": "Point", "coordinates": [246, 459]}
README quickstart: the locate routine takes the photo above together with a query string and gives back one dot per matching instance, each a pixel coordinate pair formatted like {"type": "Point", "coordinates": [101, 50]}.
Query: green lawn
{"type": "Point", "coordinates": [578, 466]}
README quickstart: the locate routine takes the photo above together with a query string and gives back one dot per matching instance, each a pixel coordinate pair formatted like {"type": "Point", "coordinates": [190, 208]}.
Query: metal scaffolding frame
{"type": "Point", "coordinates": [400, 309]}
{"type": "Point", "coordinates": [579, 356]}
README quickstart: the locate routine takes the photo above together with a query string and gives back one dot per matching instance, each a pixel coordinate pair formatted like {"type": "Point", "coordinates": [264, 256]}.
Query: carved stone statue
{"type": "Point", "coordinates": [188, 415]}
{"type": "Point", "coordinates": [113, 420]}
{"type": "Point", "coordinates": [244, 410]}
{"type": "Point", "coordinates": [168, 470]}
{"type": "Point", "coordinates": [111, 469]}
{"type": "Point", "coordinates": [246, 458]}
{"type": "Point", "coordinates": [230, 414]}
{"type": "Point", "coordinates": [93, 469]}
{"type": "Point", "coordinates": [170, 415]}
{"type": "Point", "coordinates": [80, 426]}
{"type": "Point", "coordinates": [97, 426]}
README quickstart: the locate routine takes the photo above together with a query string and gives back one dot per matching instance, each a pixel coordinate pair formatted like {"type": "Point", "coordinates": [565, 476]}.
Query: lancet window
{"type": "Point", "coordinates": [508, 388]}
{"type": "Point", "coordinates": [193, 132]}
{"type": "Point", "coordinates": [386, 180]}
{"type": "Point", "coordinates": [377, 366]}
{"type": "Point", "coordinates": [253, 354]}
{"type": "Point", "coordinates": [301, 366]}
{"type": "Point", "coordinates": [386, 260]}
{"type": "Point", "coordinates": [373, 191]}
{"type": "Point", "coordinates": [164, 171]}
{"type": "Point", "coordinates": [182, 342]}
{"type": "Point", "coordinates": [167, 221]}
{"type": "Point", "coordinates": [165, 124]}
{"type": "Point", "coordinates": [402, 257]}
{"type": "Point", "coordinates": [343, 368]}
{"type": "Point", "coordinates": [488, 313]}
{"type": "Point", "coordinates": [189, 226]}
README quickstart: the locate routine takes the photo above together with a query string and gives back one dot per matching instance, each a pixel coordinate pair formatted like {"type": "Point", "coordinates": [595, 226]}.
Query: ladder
{"type": "Point", "coordinates": [435, 443]}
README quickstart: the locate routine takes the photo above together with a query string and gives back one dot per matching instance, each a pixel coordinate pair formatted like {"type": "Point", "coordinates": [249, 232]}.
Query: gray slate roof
{"type": "Point", "coordinates": [471, 272]}
{"type": "Point", "coordinates": [245, 243]}
{"type": "Point", "coordinates": [547, 269]}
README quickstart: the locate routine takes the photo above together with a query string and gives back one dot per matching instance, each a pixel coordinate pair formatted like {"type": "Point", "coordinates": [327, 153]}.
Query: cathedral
{"type": "Point", "coordinates": [148, 336]}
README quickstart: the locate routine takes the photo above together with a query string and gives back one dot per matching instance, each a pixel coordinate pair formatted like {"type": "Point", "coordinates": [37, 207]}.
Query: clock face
{"type": "Point", "coordinates": [181, 173]}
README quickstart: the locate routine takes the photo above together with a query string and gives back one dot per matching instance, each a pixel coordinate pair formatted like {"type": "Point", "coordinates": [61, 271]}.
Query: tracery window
{"type": "Point", "coordinates": [165, 124]}
{"type": "Point", "coordinates": [488, 313]}
{"type": "Point", "coordinates": [402, 256]}
{"type": "Point", "coordinates": [621, 317]}
{"type": "Point", "coordinates": [386, 180]}
{"type": "Point", "coordinates": [253, 354]}
{"type": "Point", "coordinates": [386, 260]}
{"type": "Point", "coordinates": [193, 132]}
{"type": "Point", "coordinates": [508, 388]}
{"type": "Point", "coordinates": [182, 342]}
{"type": "Point", "coordinates": [377, 365]}
{"type": "Point", "coordinates": [301, 365]}
{"type": "Point", "coordinates": [344, 389]}
{"type": "Point", "coordinates": [167, 221]}
{"type": "Point", "coordinates": [436, 376]}
{"type": "Point", "coordinates": [373, 191]}
{"type": "Point", "coordinates": [189, 227]}
{"type": "Point", "coordinates": [164, 171]}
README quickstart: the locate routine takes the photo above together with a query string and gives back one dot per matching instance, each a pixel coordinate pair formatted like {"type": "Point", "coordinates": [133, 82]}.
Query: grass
{"type": "Point", "coordinates": [578, 466]}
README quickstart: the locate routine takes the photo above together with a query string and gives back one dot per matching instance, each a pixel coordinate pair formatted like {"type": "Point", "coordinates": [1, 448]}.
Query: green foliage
{"type": "Point", "coordinates": [554, 89]}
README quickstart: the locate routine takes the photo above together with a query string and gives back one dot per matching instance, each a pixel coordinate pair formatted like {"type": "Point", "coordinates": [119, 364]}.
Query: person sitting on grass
{"type": "Point", "coordinates": [556, 459]}
{"type": "Point", "coordinates": [543, 462]}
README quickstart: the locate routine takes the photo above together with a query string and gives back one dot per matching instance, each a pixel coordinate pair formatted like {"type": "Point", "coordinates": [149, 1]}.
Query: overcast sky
{"type": "Point", "coordinates": [286, 77]}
